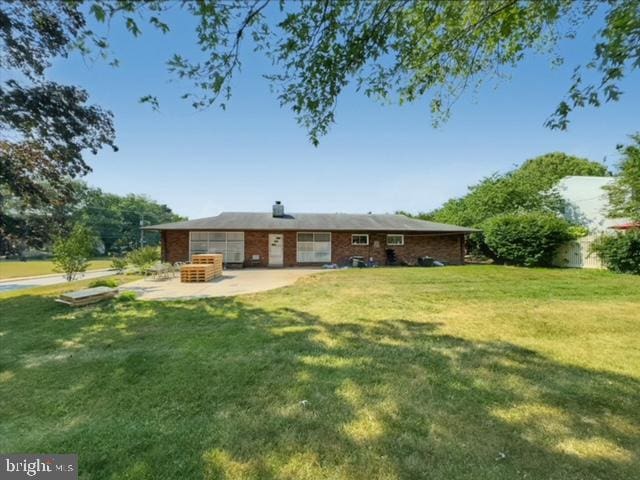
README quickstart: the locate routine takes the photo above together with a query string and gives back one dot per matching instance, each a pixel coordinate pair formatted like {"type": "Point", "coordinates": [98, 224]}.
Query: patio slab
{"type": "Point", "coordinates": [232, 282]}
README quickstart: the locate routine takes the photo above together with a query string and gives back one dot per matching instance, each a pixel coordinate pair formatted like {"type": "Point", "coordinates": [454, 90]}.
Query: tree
{"type": "Point", "coordinates": [71, 253]}
{"type": "Point", "coordinates": [45, 127]}
{"type": "Point", "coordinates": [143, 258]}
{"type": "Point", "coordinates": [546, 170]}
{"type": "Point", "coordinates": [31, 223]}
{"type": "Point", "coordinates": [116, 219]}
{"type": "Point", "coordinates": [624, 194]}
{"type": "Point", "coordinates": [392, 50]}
{"type": "Point", "coordinates": [524, 189]}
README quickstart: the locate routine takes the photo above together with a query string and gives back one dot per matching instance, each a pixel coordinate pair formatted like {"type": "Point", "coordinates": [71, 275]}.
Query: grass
{"type": "Point", "coordinates": [474, 372]}
{"type": "Point", "coordinates": [15, 269]}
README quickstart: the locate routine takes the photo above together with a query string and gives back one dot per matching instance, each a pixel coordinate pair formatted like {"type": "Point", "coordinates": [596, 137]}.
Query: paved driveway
{"type": "Point", "coordinates": [232, 282]}
{"type": "Point", "coordinates": [10, 285]}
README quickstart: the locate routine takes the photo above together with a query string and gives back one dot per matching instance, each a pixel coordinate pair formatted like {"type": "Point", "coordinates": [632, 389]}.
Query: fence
{"type": "Point", "coordinates": [576, 254]}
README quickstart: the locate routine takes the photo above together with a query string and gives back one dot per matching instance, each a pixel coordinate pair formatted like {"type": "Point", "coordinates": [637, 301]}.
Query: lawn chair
{"type": "Point", "coordinates": [160, 271]}
{"type": "Point", "coordinates": [175, 268]}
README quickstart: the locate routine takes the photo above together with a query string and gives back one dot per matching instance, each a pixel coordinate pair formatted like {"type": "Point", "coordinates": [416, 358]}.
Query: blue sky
{"type": "Point", "coordinates": [376, 158]}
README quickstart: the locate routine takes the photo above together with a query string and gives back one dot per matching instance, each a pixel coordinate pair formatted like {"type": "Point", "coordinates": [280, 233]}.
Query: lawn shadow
{"type": "Point", "coordinates": [221, 388]}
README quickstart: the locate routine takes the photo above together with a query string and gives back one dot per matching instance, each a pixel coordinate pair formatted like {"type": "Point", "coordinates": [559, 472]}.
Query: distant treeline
{"type": "Point", "coordinates": [114, 219]}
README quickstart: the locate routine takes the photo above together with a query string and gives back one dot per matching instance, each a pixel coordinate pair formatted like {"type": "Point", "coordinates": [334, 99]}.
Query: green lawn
{"type": "Point", "coordinates": [15, 269]}
{"type": "Point", "coordinates": [477, 372]}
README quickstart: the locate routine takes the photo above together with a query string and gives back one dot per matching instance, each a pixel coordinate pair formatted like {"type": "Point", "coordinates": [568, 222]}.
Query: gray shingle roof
{"type": "Point", "coordinates": [312, 221]}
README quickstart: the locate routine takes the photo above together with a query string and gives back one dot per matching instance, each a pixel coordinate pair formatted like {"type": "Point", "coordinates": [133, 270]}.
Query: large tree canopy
{"type": "Point", "coordinates": [524, 189]}
{"type": "Point", "coordinates": [45, 127]}
{"type": "Point", "coordinates": [114, 219]}
{"type": "Point", "coordinates": [393, 50]}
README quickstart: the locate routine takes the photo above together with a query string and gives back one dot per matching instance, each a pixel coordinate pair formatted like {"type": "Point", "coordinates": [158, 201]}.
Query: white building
{"type": "Point", "coordinates": [587, 204]}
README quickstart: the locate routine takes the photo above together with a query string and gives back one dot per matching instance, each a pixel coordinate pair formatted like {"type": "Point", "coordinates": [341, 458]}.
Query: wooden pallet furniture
{"type": "Point", "coordinates": [88, 296]}
{"type": "Point", "coordinates": [202, 272]}
{"type": "Point", "coordinates": [215, 258]}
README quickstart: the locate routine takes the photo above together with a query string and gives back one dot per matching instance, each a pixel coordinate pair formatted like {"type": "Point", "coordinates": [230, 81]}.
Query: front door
{"type": "Point", "coordinates": [276, 249]}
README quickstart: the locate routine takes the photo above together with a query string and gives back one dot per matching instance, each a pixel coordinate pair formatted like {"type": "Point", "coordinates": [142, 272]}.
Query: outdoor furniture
{"type": "Point", "coordinates": [214, 259]}
{"type": "Point", "coordinates": [357, 261]}
{"type": "Point", "coordinates": [176, 268]}
{"type": "Point", "coordinates": [85, 297]}
{"type": "Point", "coordinates": [202, 272]}
{"type": "Point", "coordinates": [161, 270]}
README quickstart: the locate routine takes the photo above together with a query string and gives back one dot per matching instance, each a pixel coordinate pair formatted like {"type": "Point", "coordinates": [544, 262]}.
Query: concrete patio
{"type": "Point", "coordinates": [232, 282]}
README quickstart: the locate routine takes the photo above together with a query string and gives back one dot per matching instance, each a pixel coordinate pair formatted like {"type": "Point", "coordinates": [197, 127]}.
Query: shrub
{"type": "Point", "coordinates": [119, 264]}
{"type": "Point", "coordinates": [71, 253]}
{"type": "Point", "coordinates": [528, 239]}
{"type": "Point", "coordinates": [104, 282]}
{"type": "Point", "coordinates": [143, 258]}
{"type": "Point", "coordinates": [127, 296]}
{"type": "Point", "coordinates": [578, 231]}
{"type": "Point", "coordinates": [620, 252]}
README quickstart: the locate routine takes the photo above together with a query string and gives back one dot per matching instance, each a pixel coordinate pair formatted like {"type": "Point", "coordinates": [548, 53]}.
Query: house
{"type": "Point", "coordinates": [278, 239]}
{"type": "Point", "coordinates": [587, 204]}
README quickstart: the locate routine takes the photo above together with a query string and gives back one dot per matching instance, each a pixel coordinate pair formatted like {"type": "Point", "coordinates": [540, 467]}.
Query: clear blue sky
{"type": "Point", "coordinates": [376, 158]}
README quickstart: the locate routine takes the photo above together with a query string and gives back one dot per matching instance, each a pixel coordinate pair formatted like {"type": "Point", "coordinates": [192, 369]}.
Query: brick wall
{"type": "Point", "coordinates": [256, 243]}
{"type": "Point", "coordinates": [175, 247]}
{"type": "Point", "coordinates": [449, 248]}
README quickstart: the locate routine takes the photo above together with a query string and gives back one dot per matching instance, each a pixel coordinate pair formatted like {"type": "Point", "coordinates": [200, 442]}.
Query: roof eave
{"type": "Point", "coordinates": [160, 228]}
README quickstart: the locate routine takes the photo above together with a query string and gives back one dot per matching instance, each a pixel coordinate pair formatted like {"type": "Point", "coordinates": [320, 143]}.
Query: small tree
{"type": "Point", "coordinates": [528, 239]}
{"type": "Point", "coordinates": [144, 257]}
{"type": "Point", "coordinates": [619, 252]}
{"type": "Point", "coordinates": [71, 254]}
{"type": "Point", "coordinates": [119, 264]}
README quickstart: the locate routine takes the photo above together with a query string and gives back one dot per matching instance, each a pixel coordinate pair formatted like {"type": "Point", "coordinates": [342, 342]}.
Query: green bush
{"type": "Point", "coordinates": [143, 258]}
{"type": "Point", "coordinates": [578, 231]}
{"type": "Point", "coordinates": [119, 264]}
{"type": "Point", "coordinates": [619, 252]}
{"type": "Point", "coordinates": [71, 253]}
{"type": "Point", "coordinates": [127, 296]}
{"type": "Point", "coordinates": [528, 239]}
{"type": "Point", "coordinates": [105, 282]}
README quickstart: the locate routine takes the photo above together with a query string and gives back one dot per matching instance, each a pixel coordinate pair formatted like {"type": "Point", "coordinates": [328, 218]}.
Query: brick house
{"type": "Point", "coordinates": [278, 239]}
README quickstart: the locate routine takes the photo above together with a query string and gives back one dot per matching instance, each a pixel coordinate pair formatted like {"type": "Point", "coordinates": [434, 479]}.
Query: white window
{"type": "Point", "coordinates": [395, 240]}
{"type": "Point", "coordinates": [360, 239]}
{"type": "Point", "coordinates": [313, 248]}
{"type": "Point", "coordinates": [229, 244]}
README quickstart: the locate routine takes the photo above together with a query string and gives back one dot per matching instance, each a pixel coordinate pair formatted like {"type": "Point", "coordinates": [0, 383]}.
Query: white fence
{"type": "Point", "coordinates": [575, 254]}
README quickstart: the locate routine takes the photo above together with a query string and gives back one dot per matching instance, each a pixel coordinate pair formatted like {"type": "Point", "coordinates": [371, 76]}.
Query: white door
{"type": "Point", "coordinates": [276, 249]}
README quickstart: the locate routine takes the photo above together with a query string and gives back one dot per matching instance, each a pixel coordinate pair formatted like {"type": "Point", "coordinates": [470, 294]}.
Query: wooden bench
{"type": "Point", "coordinates": [88, 296]}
